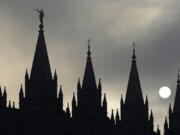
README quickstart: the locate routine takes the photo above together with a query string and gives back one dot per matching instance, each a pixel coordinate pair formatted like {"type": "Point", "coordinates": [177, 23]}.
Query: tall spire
{"type": "Point", "coordinates": [134, 92]}
{"type": "Point", "coordinates": [176, 108]}
{"type": "Point", "coordinates": [41, 66]}
{"type": "Point", "coordinates": [89, 81]}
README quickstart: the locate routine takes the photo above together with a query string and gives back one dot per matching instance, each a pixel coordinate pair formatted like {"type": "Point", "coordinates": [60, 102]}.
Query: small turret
{"type": "Point", "coordinates": [73, 105]}
{"type": "Point", "coordinates": [4, 98]}
{"type": "Point", "coordinates": [117, 117]}
{"type": "Point", "coordinates": [112, 118]}
{"type": "Point", "coordinates": [105, 106]}
{"type": "Point", "coordinates": [68, 111]}
{"type": "Point", "coordinates": [26, 75]}
{"type": "Point", "coordinates": [151, 117]}
{"type": "Point", "coordinates": [9, 105]}
{"type": "Point", "coordinates": [79, 84]}
{"type": "Point", "coordinates": [21, 97]}
{"type": "Point", "coordinates": [55, 75]}
{"type": "Point", "coordinates": [60, 99]}
{"type": "Point", "coordinates": [99, 85]}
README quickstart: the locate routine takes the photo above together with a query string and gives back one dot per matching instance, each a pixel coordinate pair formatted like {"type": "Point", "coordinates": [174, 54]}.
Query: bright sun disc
{"type": "Point", "coordinates": [165, 92]}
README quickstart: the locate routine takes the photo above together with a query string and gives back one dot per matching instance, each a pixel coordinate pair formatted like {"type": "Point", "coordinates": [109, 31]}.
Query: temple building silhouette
{"type": "Point", "coordinates": [173, 126]}
{"type": "Point", "coordinates": [41, 110]}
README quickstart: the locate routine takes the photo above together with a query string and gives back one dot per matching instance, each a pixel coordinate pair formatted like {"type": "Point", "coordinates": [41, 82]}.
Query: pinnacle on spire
{"type": "Point", "coordinates": [134, 93]}
{"type": "Point", "coordinates": [79, 84]}
{"type": "Point", "coordinates": [134, 53]}
{"type": "Point", "coordinates": [117, 117]}
{"type": "Point", "coordinates": [99, 85]}
{"type": "Point", "coordinates": [21, 93]}
{"type": "Point", "coordinates": [89, 81]}
{"type": "Point", "coordinates": [112, 117]}
{"type": "Point", "coordinates": [68, 110]}
{"type": "Point", "coordinates": [41, 67]}
{"type": "Point", "coordinates": [60, 91]}
{"type": "Point", "coordinates": [55, 75]}
{"type": "Point", "coordinates": [26, 74]}
{"type": "Point", "coordinates": [151, 116]}
{"type": "Point", "coordinates": [89, 49]}
{"type": "Point", "coordinates": [104, 100]}
{"type": "Point", "coordinates": [74, 97]}
{"type": "Point", "coordinates": [9, 106]}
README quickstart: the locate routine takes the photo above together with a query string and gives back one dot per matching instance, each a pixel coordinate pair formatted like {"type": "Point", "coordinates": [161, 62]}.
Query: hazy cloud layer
{"type": "Point", "coordinates": [112, 25]}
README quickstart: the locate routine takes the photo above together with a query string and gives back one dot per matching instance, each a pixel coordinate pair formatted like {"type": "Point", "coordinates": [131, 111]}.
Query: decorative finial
{"type": "Point", "coordinates": [41, 17]}
{"type": "Point", "coordinates": [89, 48]}
{"type": "Point", "coordinates": [134, 55]}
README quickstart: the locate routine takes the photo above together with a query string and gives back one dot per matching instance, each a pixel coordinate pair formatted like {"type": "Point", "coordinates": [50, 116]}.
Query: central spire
{"type": "Point", "coordinates": [134, 92]}
{"type": "Point", "coordinates": [89, 81]}
{"type": "Point", "coordinates": [41, 66]}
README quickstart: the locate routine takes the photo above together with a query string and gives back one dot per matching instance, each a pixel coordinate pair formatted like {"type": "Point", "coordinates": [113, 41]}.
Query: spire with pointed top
{"type": "Point", "coordinates": [60, 99]}
{"type": "Point", "coordinates": [21, 91]}
{"type": "Point", "coordinates": [73, 105]}
{"type": "Point", "coordinates": [122, 102]}
{"type": "Point", "coordinates": [55, 75]}
{"type": "Point", "coordinates": [176, 108]}
{"type": "Point", "coordinates": [21, 97]}
{"type": "Point", "coordinates": [9, 106]}
{"type": "Point", "coordinates": [99, 85]}
{"type": "Point", "coordinates": [105, 105]}
{"type": "Point", "coordinates": [68, 111]}
{"type": "Point", "coordinates": [89, 49]}
{"type": "Point", "coordinates": [26, 75]}
{"type": "Point", "coordinates": [151, 116]}
{"type": "Point", "coordinates": [41, 66]}
{"type": "Point", "coordinates": [112, 117]}
{"type": "Point", "coordinates": [89, 81]}
{"type": "Point", "coordinates": [117, 117]}
{"type": "Point", "coordinates": [134, 53]}
{"type": "Point", "coordinates": [134, 92]}
{"type": "Point", "coordinates": [79, 84]}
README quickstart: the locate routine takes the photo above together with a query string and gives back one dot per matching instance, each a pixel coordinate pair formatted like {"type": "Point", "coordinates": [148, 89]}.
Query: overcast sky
{"type": "Point", "coordinates": [112, 26]}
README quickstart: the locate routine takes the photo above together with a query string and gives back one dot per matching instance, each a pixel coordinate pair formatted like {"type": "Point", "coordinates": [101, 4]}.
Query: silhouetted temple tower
{"type": "Point", "coordinates": [89, 103]}
{"type": "Point", "coordinates": [40, 87]}
{"type": "Point", "coordinates": [134, 111]}
{"type": "Point", "coordinates": [174, 115]}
